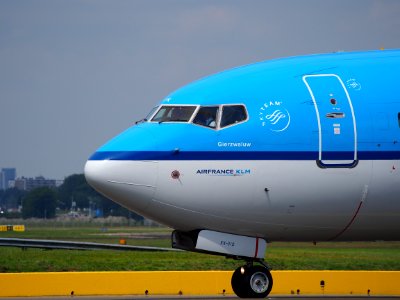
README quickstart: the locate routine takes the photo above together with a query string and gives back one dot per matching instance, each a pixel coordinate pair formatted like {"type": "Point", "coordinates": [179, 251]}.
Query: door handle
{"type": "Point", "coordinates": [335, 115]}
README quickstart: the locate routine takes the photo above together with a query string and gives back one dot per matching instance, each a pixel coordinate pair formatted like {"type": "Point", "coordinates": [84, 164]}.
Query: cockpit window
{"type": "Point", "coordinates": [172, 113]}
{"type": "Point", "coordinates": [232, 114]}
{"type": "Point", "coordinates": [151, 113]}
{"type": "Point", "coordinates": [207, 116]}
{"type": "Point", "coordinates": [398, 118]}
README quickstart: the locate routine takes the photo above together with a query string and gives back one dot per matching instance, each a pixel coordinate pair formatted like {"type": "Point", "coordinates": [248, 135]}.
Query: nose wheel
{"type": "Point", "coordinates": [252, 281]}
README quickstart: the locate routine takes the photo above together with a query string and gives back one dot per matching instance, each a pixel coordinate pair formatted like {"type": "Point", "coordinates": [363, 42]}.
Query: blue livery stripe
{"type": "Point", "coordinates": [240, 155]}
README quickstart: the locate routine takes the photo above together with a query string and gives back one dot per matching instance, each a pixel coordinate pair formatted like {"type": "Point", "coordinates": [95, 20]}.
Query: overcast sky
{"type": "Point", "coordinates": [75, 73]}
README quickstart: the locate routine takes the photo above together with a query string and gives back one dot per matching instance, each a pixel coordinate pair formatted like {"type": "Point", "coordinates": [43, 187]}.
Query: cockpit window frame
{"type": "Point", "coordinates": [219, 115]}
{"type": "Point", "coordinates": [217, 119]}
{"type": "Point", "coordinates": [196, 106]}
{"type": "Point", "coordinates": [195, 112]}
{"type": "Point", "coordinates": [152, 112]}
{"type": "Point", "coordinates": [236, 123]}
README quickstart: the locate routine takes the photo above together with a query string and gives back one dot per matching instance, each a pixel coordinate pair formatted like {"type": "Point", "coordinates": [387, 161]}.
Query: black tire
{"type": "Point", "coordinates": [238, 283]}
{"type": "Point", "coordinates": [254, 282]}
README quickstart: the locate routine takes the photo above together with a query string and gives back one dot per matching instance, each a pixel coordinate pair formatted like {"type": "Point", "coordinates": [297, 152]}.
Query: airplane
{"type": "Point", "coordinates": [303, 148]}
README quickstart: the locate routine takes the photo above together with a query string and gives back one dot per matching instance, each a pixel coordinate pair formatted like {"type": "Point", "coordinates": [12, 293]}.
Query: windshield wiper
{"type": "Point", "coordinates": [141, 121]}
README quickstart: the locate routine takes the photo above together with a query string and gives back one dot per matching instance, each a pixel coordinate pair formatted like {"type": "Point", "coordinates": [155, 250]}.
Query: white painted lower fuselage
{"type": "Point", "coordinates": [275, 200]}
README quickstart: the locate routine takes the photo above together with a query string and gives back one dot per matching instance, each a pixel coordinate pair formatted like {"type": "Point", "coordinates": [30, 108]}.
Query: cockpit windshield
{"type": "Point", "coordinates": [214, 117]}
{"type": "Point", "coordinates": [153, 110]}
{"type": "Point", "coordinates": [219, 117]}
{"type": "Point", "coordinates": [232, 114]}
{"type": "Point", "coordinates": [207, 116]}
{"type": "Point", "coordinates": [174, 113]}
{"type": "Point", "coordinates": [151, 113]}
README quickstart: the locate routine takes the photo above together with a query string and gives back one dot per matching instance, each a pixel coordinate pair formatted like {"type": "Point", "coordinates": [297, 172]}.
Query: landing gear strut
{"type": "Point", "coordinates": [251, 281]}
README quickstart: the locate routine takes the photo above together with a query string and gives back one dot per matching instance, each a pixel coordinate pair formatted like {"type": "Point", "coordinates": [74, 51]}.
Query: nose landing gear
{"type": "Point", "coordinates": [251, 281]}
{"type": "Point", "coordinates": [248, 281]}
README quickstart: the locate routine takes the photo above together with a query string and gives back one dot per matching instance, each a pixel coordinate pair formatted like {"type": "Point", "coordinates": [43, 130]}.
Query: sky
{"type": "Point", "coordinates": [73, 74]}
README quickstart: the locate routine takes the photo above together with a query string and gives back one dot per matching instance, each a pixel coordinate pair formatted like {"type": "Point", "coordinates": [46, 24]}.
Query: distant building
{"type": "Point", "coordinates": [7, 175]}
{"type": "Point", "coordinates": [28, 184]}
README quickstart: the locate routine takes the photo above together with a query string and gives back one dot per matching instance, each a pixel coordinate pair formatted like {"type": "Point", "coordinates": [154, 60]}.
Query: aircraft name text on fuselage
{"type": "Point", "coordinates": [234, 144]}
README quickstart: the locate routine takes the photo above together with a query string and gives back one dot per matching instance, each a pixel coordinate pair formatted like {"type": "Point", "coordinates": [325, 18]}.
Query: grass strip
{"type": "Point", "coordinates": [280, 256]}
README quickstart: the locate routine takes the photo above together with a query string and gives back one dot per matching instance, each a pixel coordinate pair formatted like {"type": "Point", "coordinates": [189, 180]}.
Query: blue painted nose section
{"type": "Point", "coordinates": [130, 183]}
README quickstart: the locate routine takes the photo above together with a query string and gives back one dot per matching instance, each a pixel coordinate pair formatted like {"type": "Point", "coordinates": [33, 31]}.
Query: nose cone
{"type": "Point", "coordinates": [132, 184]}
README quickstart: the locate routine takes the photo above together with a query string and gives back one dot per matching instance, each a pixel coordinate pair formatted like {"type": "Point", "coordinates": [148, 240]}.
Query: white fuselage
{"type": "Point", "coordinates": [276, 200]}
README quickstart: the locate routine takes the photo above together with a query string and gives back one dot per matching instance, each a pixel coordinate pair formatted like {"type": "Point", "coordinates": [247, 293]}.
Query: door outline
{"type": "Point", "coordinates": [320, 162]}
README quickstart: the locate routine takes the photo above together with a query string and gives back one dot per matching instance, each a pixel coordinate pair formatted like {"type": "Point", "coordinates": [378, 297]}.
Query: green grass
{"type": "Point", "coordinates": [280, 256]}
{"type": "Point", "coordinates": [138, 236]}
{"type": "Point", "coordinates": [335, 256]}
